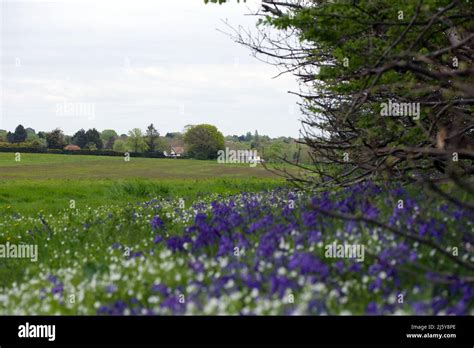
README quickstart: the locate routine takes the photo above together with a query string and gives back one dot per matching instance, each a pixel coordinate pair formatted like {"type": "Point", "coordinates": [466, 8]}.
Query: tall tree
{"type": "Point", "coordinates": [152, 137]}
{"type": "Point", "coordinates": [256, 141]}
{"type": "Point", "coordinates": [20, 134]}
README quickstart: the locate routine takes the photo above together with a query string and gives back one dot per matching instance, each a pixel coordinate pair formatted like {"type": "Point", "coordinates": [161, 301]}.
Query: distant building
{"type": "Point", "coordinates": [72, 148]}
{"type": "Point", "coordinates": [177, 151]}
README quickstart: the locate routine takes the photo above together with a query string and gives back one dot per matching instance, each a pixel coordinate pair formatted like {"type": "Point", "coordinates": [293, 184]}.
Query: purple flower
{"type": "Point", "coordinates": [136, 254]}
{"type": "Point", "coordinates": [314, 237]}
{"type": "Point", "coordinates": [173, 304]}
{"type": "Point", "coordinates": [110, 289]}
{"type": "Point", "coordinates": [58, 289]}
{"type": "Point", "coordinates": [438, 304]}
{"type": "Point", "coordinates": [309, 219]}
{"type": "Point", "coordinates": [157, 223]}
{"type": "Point", "coordinates": [226, 246]}
{"type": "Point", "coordinates": [339, 266]}
{"type": "Point", "coordinates": [103, 310]}
{"type": "Point", "coordinates": [355, 267]}
{"type": "Point", "coordinates": [235, 219]}
{"type": "Point", "coordinates": [161, 288]}
{"type": "Point", "coordinates": [419, 308]}
{"type": "Point", "coordinates": [376, 284]}
{"type": "Point", "coordinates": [200, 219]}
{"type": "Point", "coordinates": [175, 244]}
{"type": "Point", "coordinates": [370, 211]}
{"type": "Point", "coordinates": [279, 284]}
{"type": "Point", "coordinates": [371, 309]}
{"type": "Point", "coordinates": [197, 266]}
{"type": "Point", "coordinates": [460, 308]}
{"type": "Point", "coordinates": [307, 264]}
{"type": "Point", "coordinates": [52, 279]}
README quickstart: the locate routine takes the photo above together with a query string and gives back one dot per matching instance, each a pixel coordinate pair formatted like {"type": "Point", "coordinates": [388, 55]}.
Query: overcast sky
{"type": "Point", "coordinates": [123, 64]}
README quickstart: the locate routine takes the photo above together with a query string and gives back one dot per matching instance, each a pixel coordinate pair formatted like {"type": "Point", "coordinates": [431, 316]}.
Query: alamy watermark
{"type": "Point", "coordinates": [238, 156]}
{"type": "Point", "coordinates": [19, 251]}
{"type": "Point", "coordinates": [70, 109]}
{"type": "Point", "coordinates": [37, 331]}
{"type": "Point", "coordinates": [345, 251]}
{"type": "Point", "coordinates": [394, 109]}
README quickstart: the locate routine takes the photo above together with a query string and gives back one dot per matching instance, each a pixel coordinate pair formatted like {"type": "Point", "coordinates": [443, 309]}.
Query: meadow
{"type": "Point", "coordinates": [154, 237]}
{"type": "Point", "coordinates": [48, 183]}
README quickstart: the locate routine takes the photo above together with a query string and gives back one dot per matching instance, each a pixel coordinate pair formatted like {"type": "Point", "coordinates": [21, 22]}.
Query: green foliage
{"type": "Point", "coordinates": [91, 146]}
{"type": "Point", "coordinates": [162, 145]}
{"type": "Point", "coordinates": [120, 146]}
{"type": "Point", "coordinates": [355, 56]}
{"type": "Point", "coordinates": [31, 135]}
{"type": "Point", "coordinates": [55, 139]}
{"type": "Point", "coordinates": [34, 144]}
{"type": "Point", "coordinates": [204, 141]}
{"type": "Point", "coordinates": [108, 137]}
{"type": "Point", "coordinates": [106, 134]}
{"type": "Point", "coordinates": [136, 141]}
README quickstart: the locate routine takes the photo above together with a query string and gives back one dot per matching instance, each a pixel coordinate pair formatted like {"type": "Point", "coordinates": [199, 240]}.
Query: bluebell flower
{"type": "Point", "coordinates": [157, 223]}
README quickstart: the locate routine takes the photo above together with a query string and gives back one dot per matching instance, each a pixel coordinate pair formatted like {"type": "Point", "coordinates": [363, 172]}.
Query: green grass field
{"type": "Point", "coordinates": [48, 183]}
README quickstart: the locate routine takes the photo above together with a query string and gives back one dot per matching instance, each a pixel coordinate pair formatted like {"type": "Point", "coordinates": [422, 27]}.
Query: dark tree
{"type": "Point", "coordinates": [10, 137]}
{"type": "Point", "coordinates": [93, 136]}
{"type": "Point", "coordinates": [20, 134]}
{"type": "Point", "coordinates": [256, 141]}
{"type": "Point", "coordinates": [151, 138]}
{"type": "Point", "coordinates": [80, 138]}
{"type": "Point", "coordinates": [55, 139]}
{"type": "Point", "coordinates": [248, 136]}
{"type": "Point", "coordinates": [173, 135]}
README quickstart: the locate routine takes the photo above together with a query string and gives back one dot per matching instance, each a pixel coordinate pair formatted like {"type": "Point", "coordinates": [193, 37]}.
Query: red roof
{"type": "Point", "coordinates": [72, 148]}
{"type": "Point", "coordinates": [178, 150]}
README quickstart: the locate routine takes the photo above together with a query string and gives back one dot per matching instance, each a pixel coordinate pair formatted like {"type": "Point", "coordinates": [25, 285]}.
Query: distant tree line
{"type": "Point", "coordinates": [196, 141]}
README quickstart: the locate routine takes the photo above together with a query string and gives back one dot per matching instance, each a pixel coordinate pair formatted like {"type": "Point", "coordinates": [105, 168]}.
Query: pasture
{"type": "Point", "coordinates": [48, 183]}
